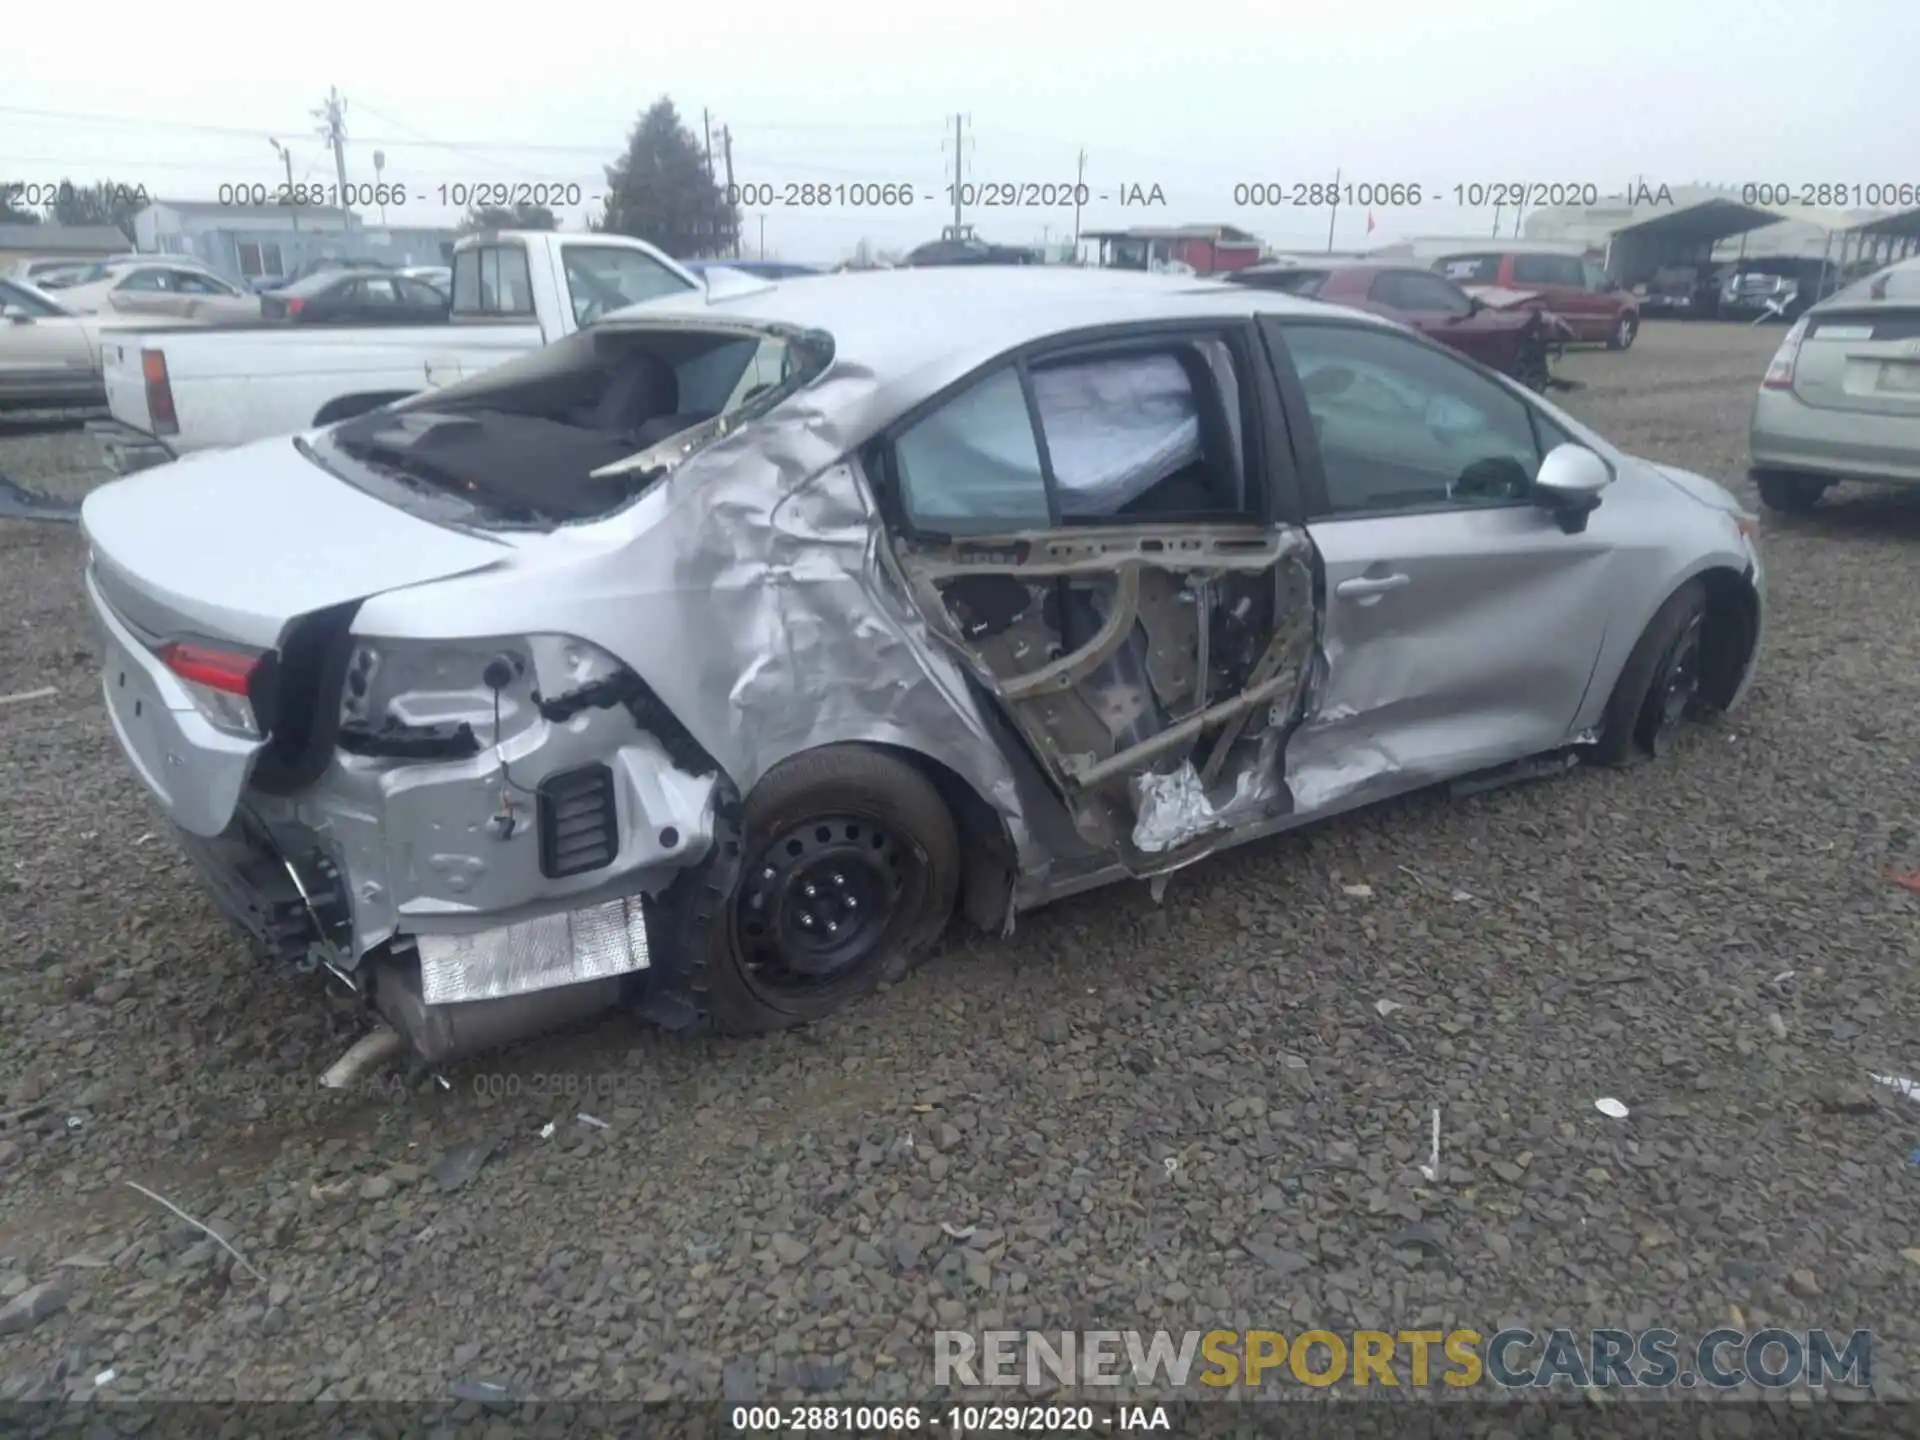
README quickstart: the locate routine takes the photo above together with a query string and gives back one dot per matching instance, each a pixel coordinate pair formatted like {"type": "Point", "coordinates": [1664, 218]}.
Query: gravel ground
{"type": "Point", "coordinates": [1711, 939]}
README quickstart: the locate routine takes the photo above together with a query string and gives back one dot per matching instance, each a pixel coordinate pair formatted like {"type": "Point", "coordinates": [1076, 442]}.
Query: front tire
{"type": "Point", "coordinates": [1659, 687]}
{"type": "Point", "coordinates": [1624, 329]}
{"type": "Point", "coordinates": [849, 868]}
{"type": "Point", "coordinates": [1790, 494]}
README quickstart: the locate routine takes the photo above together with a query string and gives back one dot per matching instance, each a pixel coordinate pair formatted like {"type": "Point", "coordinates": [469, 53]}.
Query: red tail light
{"type": "Point", "coordinates": [295, 306]}
{"type": "Point", "coordinates": [228, 671]}
{"type": "Point", "coordinates": [1779, 374]}
{"type": "Point", "coordinates": [153, 369]}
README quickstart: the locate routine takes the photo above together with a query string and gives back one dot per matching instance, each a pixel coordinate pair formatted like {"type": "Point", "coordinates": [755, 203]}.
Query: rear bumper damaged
{"type": "Point", "coordinates": [476, 900]}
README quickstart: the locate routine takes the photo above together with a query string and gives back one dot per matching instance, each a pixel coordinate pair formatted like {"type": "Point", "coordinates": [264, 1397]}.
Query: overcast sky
{"type": "Point", "coordinates": [1194, 99]}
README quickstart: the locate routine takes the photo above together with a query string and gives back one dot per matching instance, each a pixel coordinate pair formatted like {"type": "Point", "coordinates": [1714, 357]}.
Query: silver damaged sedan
{"type": "Point", "coordinates": [709, 661]}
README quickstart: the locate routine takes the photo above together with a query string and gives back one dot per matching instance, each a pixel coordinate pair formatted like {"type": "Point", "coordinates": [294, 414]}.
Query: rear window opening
{"type": "Point", "coordinates": [564, 435]}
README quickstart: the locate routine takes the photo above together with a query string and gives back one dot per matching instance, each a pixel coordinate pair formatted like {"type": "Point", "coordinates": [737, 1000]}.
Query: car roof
{"type": "Point", "coordinates": [953, 320]}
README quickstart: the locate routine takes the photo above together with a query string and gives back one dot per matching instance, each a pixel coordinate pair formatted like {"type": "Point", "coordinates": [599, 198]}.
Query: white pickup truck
{"type": "Point", "coordinates": [172, 392]}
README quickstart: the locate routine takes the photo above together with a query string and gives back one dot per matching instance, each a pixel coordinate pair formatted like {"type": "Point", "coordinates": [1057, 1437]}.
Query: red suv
{"type": "Point", "coordinates": [1596, 309]}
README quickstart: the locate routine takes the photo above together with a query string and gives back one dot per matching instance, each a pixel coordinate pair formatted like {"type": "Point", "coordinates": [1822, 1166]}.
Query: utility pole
{"type": "Point", "coordinates": [287, 155]}
{"type": "Point", "coordinates": [1496, 222]}
{"type": "Point", "coordinates": [733, 215]}
{"type": "Point", "coordinates": [1335, 214]}
{"type": "Point", "coordinates": [763, 234]}
{"type": "Point", "coordinates": [333, 129]}
{"type": "Point", "coordinates": [958, 172]}
{"type": "Point", "coordinates": [959, 227]}
{"type": "Point", "coordinates": [1079, 188]}
{"type": "Point", "coordinates": [706, 129]}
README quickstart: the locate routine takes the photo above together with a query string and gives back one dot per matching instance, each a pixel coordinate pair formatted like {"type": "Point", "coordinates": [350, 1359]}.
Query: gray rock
{"type": "Point", "coordinates": [34, 1304]}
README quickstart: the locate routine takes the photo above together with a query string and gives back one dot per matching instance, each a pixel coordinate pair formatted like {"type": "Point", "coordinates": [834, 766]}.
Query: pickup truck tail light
{"type": "Point", "coordinates": [221, 680]}
{"type": "Point", "coordinates": [1779, 374]}
{"type": "Point", "coordinates": [294, 306]}
{"type": "Point", "coordinates": [153, 369]}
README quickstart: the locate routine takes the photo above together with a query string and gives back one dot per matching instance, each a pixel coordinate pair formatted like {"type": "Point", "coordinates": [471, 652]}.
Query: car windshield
{"type": "Point", "coordinates": [547, 439]}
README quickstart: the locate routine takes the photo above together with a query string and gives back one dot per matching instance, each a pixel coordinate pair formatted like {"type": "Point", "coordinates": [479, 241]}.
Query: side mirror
{"type": "Point", "coordinates": [1569, 485]}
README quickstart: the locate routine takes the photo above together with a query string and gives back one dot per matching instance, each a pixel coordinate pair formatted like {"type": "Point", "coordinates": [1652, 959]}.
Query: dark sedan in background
{"type": "Point", "coordinates": [357, 297]}
{"type": "Point", "coordinates": [1514, 341]}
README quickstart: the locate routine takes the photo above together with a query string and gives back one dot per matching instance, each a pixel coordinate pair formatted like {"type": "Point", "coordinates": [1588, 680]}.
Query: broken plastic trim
{"type": "Point", "coordinates": [616, 689]}
{"type": "Point", "coordinates": [395, 740]}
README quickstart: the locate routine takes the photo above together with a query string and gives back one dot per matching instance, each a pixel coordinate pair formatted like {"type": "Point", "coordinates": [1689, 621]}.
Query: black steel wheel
{"type": "Point", "coordinates": [1675, 690]}
{"type": "Point", "coordinates": [817, 899]}
{"type": "Point", "coordinates": [1660, 683]}
{"type": "Point", "coordinates": [849, 867]}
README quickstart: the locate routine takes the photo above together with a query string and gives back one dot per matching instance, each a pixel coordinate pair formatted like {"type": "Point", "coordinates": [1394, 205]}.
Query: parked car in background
{"type": "Point", "coordinates": [1779, 287]}
{"type": "Point", "coordinates": [159, 287]}
{"type": "Point", "coordinates": [50, 272]}
{"type": "Point", "coordinates": [1841, 399]}
{"type": "Point", "coordinates": [1515, 340]}
{"type": "Point", "coordinates": [48, 354]}
{"type": "Point", "coordinates": [51, 275]}
{"type": "Point", "coordinates": [357, 297]}
{"type": "Point", "coordinates": [762, 269]}
{"type": "Point", "coordinates": [322, 263]}
{"type": "Point", "coordinates": [811, 616]}
{"type": "Point", "coordinates": [1682, 292]}
{"type": "Point", "coordinates": [179, 392]}
{"type": "Point", "coordinates": [1594, 306]}
{"type": "Point", "coordinates": [438, 276]}
{"type": "Point", "coordinates": [970, 250]}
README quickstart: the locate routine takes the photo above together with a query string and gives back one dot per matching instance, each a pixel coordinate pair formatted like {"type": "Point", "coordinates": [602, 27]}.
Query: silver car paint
{"type": "Point", "coordinates": [756, 591]}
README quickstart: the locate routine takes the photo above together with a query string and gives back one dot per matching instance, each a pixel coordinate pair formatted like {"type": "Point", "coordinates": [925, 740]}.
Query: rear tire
{"type": "Point", "coordinates": [1624, 329]}
{"type": "Point", "coordinates": [849, 869]}
{"type": "Point", "coordinates": [1790, 494]}
{"type": "Point", "coordinates": [1659, 686]}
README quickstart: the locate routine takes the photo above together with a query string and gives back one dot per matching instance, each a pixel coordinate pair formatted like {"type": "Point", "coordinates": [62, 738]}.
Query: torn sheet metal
{"type": "Point", "coordinates": [1174, 810]}
{"type": "Point", "coordinates": [758, 602]}
{"type": "Point", "coordinates": [591, 944]}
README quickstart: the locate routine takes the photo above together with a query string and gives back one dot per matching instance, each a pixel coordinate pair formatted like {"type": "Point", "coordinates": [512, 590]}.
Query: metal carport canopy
{"type": "Point", "coordinates": [1681, 236]}
{"type": "Point", "coordinates": [1902, 223]}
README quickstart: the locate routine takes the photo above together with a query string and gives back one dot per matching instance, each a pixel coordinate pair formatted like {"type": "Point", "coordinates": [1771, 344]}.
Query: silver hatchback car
{"type": "Point", "coordinates": [1841, 400]}
{"type": "Point", "coordinates": [711, 659]}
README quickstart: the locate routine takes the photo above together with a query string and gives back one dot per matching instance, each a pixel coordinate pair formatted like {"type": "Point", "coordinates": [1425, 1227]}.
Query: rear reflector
{"type": "Point", "coordinates": [153, 369]}
{"type": "Point", "coordinates": [228, 671]}
{"type": "Point", "coordinates": [295, 306]}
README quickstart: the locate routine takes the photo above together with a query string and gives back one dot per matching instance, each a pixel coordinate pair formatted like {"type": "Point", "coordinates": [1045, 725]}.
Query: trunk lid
{"type": "Point", "coordinates": [236, 547]}
{"type": "Point", "coordinates": [1864, 359]}
{"type": "Point", "coordinates": [237, 544]}
{"type": "Point", "coordinates": [1861, 360]}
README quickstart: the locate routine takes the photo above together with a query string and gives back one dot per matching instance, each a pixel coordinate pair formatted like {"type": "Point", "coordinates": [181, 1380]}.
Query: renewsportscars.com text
{"type": "Point", "coordinates": [1510, 1359]}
